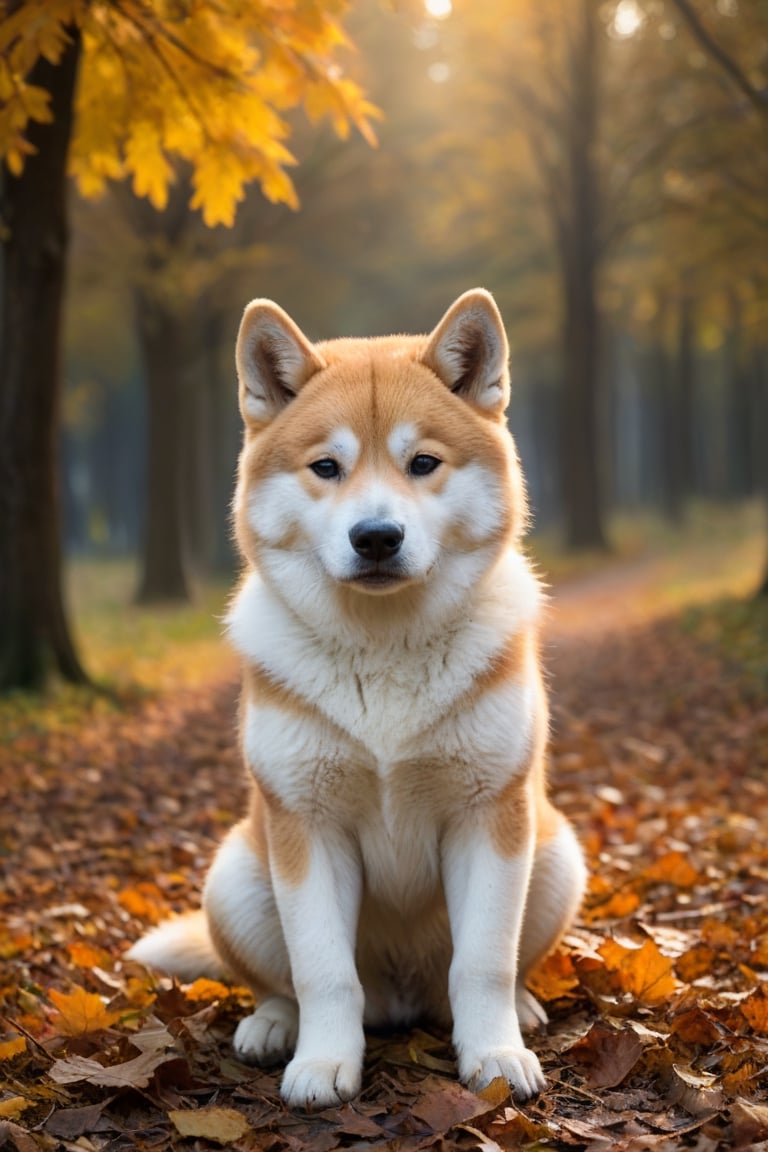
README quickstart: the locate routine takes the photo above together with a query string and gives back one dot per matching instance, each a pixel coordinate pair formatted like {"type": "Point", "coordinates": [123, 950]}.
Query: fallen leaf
{"type": "Point", "coordinates": [750, 1123]}
{"type": "Point", "coordinates": [672, 868]}
{"type": "Point", "coordinates": [134, 1073]}
{"type": "Point", "coordinates": [610, 1054]}
{"type": "Point", "coordinates": [222, 1125]}
{"type": "Point", "coordinates": [496, 1092]}
{"type": "Point", "coordinates": [554, 977]}
{"type": "Point", "coordinates": [86, 955]}
{"type": "Point", "coordinates": [755, 1012]}
{"type": "Point", "coordinates": [449, 1104]}
{"type": "Point", "coordinates": [69, 1123]}
{"type": "Point", "coordinates": [80, 1012]}
{"type": "Point", "coordinates": [203, 989]}
{"type": "Point", "coordinates": [13, 1047]}
{"type": "Point", "coordinates": [643, 972]}
{"type": "Point", "coordinates": [12, 1108]}
{"type": "Point", "coordinates": [22, 1139]}
{"type": "Point", "coordinates": [697, 1092]}
{"type": "Point", "coordinates": [144, 901]}
{"type": "Point", "coordinates": [350, 1122]}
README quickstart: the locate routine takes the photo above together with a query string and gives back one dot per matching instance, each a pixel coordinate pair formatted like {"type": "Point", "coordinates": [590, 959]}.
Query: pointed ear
{"type": "Point", "coordinates": [274, 360]}
{"type": "Point", "coordinates": [468, 350]}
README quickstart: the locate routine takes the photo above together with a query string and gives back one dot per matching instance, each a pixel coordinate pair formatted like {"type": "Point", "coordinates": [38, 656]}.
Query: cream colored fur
{"type": "Point", "coordinates": [401, 857]}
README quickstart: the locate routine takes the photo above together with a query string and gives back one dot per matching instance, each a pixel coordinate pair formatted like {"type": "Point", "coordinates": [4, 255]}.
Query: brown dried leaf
{"type": "Point", "coordinates": [610, 1054]}
{"type": "Point", "coordinates": [70, 1123]}
{"type": "Point", "coordinates": [135, 1073]}
{"type": "Point", "coordinates": [750, 1122]}
{"type": "Point", "coordinates": [222, 1125]}
{"type": "Point", "coordinates": [697, 1092]}
{"type": "Point", "coordinates": [449, 1104]}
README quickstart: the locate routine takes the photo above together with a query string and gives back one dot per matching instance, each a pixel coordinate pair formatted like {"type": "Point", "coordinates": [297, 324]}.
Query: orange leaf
{"type": "Point", "coordinates": [85, 955]}
{"type": "Point", "coordinates": [694, 963]}
{"type": "Point", "coordinates": [755, 1012]}
{"type": "Point", "coordinates": [11, 1048]}
{"type": "Point", "coordinates": [621, 904]}
{"type": "Point", "coordinates": [81, 1012]}
{"type": "Point", "coordinates": [145, 901]}
{"type": "Point", "coordinates": [696, 1027]}
{"type": "Point", "coordinates": [642, 972]}
{"type": "Point", "coordinates": [672, 868]}
{"type": "Point", "coordinates": [554, 977]}
{"type": "Point", "coordinates": [207, 990]}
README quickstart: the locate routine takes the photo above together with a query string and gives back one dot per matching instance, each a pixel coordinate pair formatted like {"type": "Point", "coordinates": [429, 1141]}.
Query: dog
{"type": "Point", "coordinates": [400, 858]}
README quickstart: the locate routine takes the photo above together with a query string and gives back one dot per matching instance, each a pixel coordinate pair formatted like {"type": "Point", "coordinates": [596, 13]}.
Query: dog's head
{"type": "Point", "coordinates": [373, 467]}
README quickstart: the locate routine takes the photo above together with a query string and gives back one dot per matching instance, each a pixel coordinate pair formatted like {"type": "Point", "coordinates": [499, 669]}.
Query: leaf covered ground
{"type": "Point", "coordinates": [658, 999]}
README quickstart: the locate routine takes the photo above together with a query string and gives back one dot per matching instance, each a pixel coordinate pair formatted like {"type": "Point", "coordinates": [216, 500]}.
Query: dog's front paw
{"type": "Point", "coordinates": [313, 1084]}
{"type": "Point", "coordinates": [518, 1066]}
{"type": "Point", "coordinates": [530, 1013]}
{"type": "Point", "coordinates": [268, 1036]}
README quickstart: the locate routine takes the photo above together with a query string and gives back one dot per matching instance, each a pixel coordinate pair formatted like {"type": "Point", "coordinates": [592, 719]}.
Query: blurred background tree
{"type": "Point", "coordinates": [600, 165]}
{"type": "Point", "coordinates": [163, 95]}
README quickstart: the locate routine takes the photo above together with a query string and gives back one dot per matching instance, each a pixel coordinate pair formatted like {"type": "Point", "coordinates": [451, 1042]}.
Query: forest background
{"type": "Point", "coordinates": [606, 183]}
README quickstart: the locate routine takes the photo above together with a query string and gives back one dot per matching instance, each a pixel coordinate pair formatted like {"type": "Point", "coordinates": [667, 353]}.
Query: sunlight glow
{"type": "Point", "coordinates": [627, 18]}
{"type": "Point", "coordinates": [439, 72]}
{"type": "Point", "coordinates": [439, 9]}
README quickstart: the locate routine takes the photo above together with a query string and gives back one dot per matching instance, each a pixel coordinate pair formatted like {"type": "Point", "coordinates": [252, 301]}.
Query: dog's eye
{"type": "Point", "coordinates": [326, 468]}
{"type": "Point", "coordinates": [423, 464]}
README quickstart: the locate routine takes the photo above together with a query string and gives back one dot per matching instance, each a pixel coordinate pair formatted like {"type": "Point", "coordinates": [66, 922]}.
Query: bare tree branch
{"type": "Point", "coordinates": [757, 97]}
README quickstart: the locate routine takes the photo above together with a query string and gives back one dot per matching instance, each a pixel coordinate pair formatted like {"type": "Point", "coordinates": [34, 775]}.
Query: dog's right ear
{"type": "Point", "coordinates": [274, 361]}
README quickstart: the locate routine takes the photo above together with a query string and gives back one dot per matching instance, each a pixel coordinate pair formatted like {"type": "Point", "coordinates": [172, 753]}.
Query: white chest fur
{"type": "Point", "coordinates": [394, 740]}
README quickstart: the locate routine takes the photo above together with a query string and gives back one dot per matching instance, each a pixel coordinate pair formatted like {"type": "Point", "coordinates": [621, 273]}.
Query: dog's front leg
{"type": "Point", "coordinates": [486, 876]}
{"type": "Point", "coordinates": [319, 913]}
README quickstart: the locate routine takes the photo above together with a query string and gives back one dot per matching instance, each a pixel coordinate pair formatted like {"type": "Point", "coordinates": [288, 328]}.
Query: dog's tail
{"type": "Point", "coordinates": [182, 947]}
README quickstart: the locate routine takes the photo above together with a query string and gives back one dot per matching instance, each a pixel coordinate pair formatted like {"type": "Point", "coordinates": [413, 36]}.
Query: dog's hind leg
{"type": "Point", "coordinates": [245, 927]}
{"type": "Point", "coordinates": [555, 892]}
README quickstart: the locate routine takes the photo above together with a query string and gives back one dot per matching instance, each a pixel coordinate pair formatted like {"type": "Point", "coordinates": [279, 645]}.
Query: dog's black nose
{"type": "Point", "coordinates": [376, 540]}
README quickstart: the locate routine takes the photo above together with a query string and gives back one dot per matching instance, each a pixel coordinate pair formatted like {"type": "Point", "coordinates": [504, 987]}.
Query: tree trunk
{"type": "Point", "coordinates": [34, 634]}
{"type": "Point", "coordinates": [579, 254]}
{"type": "Point", "coordinates": [760, 428]}
{"type": "Point", "coordinates": [686, 388]}
{"type": "Point", "coordinates": [668, 417]}
{"type": "Point", "coordinates": [162, 337]}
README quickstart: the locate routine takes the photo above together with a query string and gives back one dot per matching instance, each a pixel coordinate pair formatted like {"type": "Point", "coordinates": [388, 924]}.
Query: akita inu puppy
{"type": "Point", "coordinates": [400, 857]}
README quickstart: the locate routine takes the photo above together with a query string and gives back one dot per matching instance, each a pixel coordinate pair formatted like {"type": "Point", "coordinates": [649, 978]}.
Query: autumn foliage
{"type": "Point", "coordinates": [203, 84]}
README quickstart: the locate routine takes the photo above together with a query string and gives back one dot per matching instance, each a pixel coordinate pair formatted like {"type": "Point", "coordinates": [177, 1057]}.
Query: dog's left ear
{"type": "Point", "coordinates": [468, 350]}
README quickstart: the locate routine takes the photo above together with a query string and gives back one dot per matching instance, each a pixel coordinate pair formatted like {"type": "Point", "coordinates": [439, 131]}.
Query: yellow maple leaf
{"type": "Point", "coordinates": [209, 90]}
{"type": "Point", "coordinates": [81, 1012]}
